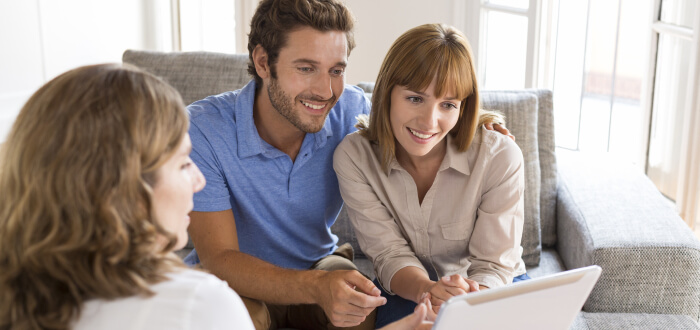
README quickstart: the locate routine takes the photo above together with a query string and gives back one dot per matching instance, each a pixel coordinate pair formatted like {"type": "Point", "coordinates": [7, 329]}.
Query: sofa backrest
{"type": "Point", "coordinates": [529, 116]}
{"type": "Point", "coordinates": [195, 75]}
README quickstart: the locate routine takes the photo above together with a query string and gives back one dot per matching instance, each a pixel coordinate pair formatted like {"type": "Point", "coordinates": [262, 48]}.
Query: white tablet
{"type": "Point", "coordinates": [549, 302]}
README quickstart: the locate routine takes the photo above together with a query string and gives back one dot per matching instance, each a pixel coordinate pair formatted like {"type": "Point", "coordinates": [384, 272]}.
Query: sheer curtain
{"type": "Point", "coordinates": [689, 200]}
{"type": "Point", "coordinates": [674, 144]}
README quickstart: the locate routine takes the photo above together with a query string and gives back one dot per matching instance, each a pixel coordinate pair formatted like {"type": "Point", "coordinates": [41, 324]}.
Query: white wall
{"type": "Point", "coordinates": [379, 23]}
{"type": "Point", "coordinates": [43, 38]}
{"type": "Point", "coordinates": [21, 66]}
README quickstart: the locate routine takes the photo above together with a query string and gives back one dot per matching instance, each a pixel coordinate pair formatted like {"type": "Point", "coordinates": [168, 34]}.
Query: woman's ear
{"type": "Point", "coordinates": [260, 60]}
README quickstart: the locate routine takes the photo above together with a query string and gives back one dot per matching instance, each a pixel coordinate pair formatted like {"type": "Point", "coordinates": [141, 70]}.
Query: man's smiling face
{"type": "Point", "coordinates": [310, 76]}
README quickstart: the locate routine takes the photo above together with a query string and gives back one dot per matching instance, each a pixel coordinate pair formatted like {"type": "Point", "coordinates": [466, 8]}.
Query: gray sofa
{"type": "Point", "coordinates": [580, 209]}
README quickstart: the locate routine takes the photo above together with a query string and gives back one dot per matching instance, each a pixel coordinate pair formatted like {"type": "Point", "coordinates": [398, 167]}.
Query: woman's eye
{"type": "Point", "coordinates": [450, 106]}
{"type": "Point", "coordinates": [186, 165]}
{"type": "Point", "coordinates": [414, 99]}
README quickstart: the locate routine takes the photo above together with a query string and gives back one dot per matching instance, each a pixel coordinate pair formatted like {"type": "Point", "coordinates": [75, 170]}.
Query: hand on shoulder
{"type": "Point", "coordinates": [500, 128]}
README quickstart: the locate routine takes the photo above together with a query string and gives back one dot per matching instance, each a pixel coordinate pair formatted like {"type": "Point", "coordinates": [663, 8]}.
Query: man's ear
{"type": "Point", "coordinates": [260, 60]}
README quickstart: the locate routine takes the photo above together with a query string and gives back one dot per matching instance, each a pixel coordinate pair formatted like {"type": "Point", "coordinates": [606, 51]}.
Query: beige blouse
{"type": "Point", "coordinates": [470, 222]}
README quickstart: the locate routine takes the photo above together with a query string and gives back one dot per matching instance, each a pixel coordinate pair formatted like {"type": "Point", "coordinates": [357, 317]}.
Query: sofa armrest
{"type": "Point", "coordinates": [611, 215]}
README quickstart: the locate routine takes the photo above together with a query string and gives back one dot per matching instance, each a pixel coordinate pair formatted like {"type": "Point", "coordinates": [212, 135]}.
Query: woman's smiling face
{"type": "Point", "coordinates": [421, 119]}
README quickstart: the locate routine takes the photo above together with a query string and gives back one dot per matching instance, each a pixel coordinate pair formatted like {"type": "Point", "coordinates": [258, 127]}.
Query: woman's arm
{"type": "Point", "coordinates": [494, 247]}
{"type": "Point", "coordinates": [378, 234]}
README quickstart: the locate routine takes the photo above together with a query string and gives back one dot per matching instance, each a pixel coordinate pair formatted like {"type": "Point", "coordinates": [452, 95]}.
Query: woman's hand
{"type": "Point", "coordinates": [450, 286]}
{"type": "Point", "coordinates": [421, 319]}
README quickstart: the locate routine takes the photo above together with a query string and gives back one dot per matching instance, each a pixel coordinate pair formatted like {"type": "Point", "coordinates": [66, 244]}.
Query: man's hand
{"type": "Point", "coordinates": [501, 128]}
{"type": "Point", "coordinates": [448, 287]}
{"type": "Point", "coordinates": [347, 297]}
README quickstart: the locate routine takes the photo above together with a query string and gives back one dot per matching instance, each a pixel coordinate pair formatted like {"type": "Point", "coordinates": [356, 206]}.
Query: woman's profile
{"type": "Point", "coordinates": [96, 187]}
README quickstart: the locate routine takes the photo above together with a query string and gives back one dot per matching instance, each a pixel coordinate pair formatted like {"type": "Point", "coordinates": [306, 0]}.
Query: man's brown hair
{"type": "Point", "coordinates": [274, 19]}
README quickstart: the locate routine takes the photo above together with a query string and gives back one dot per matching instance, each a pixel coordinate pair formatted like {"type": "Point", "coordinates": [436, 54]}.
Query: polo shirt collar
{"type": "Point", "coordinates": [326, 131]}
{"type": "Point", "coordinates": [249, 141]}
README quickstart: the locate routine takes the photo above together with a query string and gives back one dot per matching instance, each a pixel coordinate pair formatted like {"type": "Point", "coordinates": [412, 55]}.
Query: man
{"type": "Point", "coordinates": [262, 223]}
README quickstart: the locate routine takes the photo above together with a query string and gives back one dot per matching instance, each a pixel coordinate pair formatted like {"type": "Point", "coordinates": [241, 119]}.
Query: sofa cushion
{"type": "Point", "coordinates": [521, 110]}
{"type": "Point", "coordinates": [195, 75]}
{"type": "Point", "coordinates": [648, 254]}
{"type": "Point", "coordinates": [624, 321]}
{"type": "Point", "coordinates": [546, 148]}
{"type": "Point", "coordinates": [550, 263]}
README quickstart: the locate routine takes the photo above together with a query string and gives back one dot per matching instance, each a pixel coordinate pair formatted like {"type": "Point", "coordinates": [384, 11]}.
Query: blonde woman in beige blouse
{"type": "Point", "coordinates": [436, 200]}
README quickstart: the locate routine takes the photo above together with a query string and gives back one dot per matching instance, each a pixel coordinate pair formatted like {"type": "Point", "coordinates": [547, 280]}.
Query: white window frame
{"type": "Point", "coordinates": [471, 17]}
{"type": "Point", "coordinates": [688, 191]}
{"type": "Point", "coordinates": [243, 12]}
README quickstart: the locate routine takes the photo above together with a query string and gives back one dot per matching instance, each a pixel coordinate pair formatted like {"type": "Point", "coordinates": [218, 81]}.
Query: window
{"type": "Point", "coordinates": [206, 25]}
{"type": "Point", "coordinates": [600, 67]}
{"type": "Point", "coordinates": [625, 76]}
{"type": "Point", "coordinates": [505, 43]}
{"type": "Point", "coordinates": [674, 150]}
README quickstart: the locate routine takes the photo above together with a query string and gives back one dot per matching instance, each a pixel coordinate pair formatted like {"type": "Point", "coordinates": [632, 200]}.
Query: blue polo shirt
{"type": "Point", "coordinates": [283, 209]}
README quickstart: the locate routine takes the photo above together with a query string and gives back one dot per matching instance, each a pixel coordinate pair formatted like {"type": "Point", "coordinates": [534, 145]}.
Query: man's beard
{"type": "Point", "coordinates": [284, 105]}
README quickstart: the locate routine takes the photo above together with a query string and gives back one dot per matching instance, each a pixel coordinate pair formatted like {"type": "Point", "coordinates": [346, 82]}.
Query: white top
{"type": "Point", "coordinates": [470, 222]}
{"type": "Point", "coordinates": [190, 300]}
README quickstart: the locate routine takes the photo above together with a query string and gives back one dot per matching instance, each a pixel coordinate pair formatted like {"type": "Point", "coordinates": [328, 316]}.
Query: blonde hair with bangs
{"type": "Point", "coordinates": [421, 54]}
{"type": "Point", "coordinates": [77, 174]}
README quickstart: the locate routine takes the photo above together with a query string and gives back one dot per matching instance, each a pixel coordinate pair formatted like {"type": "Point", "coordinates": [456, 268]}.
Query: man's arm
{"type": "Point", "coordinates": [216, 241]}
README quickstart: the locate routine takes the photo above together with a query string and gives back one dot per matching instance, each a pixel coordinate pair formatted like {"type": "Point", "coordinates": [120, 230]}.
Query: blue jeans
{"type": "Point", "coordinates": [397, 308]}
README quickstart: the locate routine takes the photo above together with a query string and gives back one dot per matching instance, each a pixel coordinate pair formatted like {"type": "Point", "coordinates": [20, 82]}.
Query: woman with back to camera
{"type": "Point", "coordinates": [436, 200]}
{"type": "Point", "coordinates": [96, 185]}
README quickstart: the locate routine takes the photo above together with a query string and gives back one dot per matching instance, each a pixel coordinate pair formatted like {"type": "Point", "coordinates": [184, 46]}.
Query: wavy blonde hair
{"type": "Point", "coordinates": [76, 175]}
{"type": "Point", "coordinates": [421, 54]}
